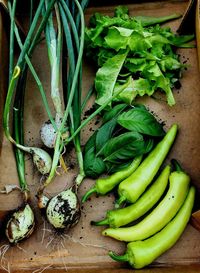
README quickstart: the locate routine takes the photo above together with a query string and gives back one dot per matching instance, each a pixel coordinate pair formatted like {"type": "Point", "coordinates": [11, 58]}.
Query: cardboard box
{"type": "Point", "coordinates": [83, 249]}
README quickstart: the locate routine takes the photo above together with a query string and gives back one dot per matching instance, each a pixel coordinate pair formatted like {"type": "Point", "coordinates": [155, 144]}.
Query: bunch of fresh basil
{"type": "Point", "coordinates": [126, 132]}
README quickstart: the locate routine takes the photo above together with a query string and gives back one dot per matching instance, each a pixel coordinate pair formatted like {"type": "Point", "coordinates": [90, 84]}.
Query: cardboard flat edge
{"type": "Point", "coordinates": [177, 269]}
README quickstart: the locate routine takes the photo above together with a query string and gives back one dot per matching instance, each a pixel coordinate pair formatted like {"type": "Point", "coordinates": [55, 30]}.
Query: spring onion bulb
{"type": "Point", "coordinates": [63, 210]}
{"type": "Point", "coordinates": [41, 158]}
{"type": "Point", "coordinates": [21, 222]}
{"type": "Point", "coordinates": [20, 225]}
{"type": "Point", "coordinates": [48, 132]}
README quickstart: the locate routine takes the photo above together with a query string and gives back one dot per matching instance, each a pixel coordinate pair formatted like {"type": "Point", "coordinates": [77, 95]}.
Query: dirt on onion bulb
{"type": "Point", "coordinates": [63, 210]}
{"type": "Point", "coordinates": [20, 225]}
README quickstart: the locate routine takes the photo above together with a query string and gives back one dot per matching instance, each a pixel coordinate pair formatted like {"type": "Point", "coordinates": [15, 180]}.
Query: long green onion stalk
{"type": "Point", "coordinates": [40, 157]}
{"type": "Point", "coordinates": [54, 42]}
{"type": "Point", "coordinates": [20, 224]}
{"type": "Point", "coordinates": [59, 144]}
{"type": "Point", "coordinates": [72, 43]}
{"type": "Point", "coordinates": [63, 210]}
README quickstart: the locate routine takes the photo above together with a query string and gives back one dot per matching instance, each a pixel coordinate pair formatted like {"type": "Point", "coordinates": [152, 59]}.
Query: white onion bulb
{"type": "Point", "coordinates": [63, 210]}
{"type": "Point", "coordinates": [20, 225]}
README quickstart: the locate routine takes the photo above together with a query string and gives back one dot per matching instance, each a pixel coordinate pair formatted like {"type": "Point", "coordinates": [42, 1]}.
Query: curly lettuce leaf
{"type": "Point", "coordinates": [106, 77]}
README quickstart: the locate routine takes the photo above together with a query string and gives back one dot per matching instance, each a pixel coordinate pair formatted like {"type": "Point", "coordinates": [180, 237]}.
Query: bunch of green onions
{"type": "Point", "coordinates": [62, 210]}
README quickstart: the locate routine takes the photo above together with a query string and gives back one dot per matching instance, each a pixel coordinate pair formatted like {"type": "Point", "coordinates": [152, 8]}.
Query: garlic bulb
{"type": "Point", "coordinates": [20, 225]}
{"type": "Point", "coordinates": [63, 210]}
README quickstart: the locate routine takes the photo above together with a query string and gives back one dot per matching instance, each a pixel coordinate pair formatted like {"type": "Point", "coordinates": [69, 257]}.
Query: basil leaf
{"type": "Point", "coordinates": [113, 168]}
{"type": "Point", "coordinates": [90, 143]}
{"type": "Point", "coordinates": [104, 133]}
{"type": "Point", "coordinates": [149, 143]}
{"type": "Point", "coordinates": [123, 147]}
{"type": "Point", "coordinates": [141, 121]}
{"type": "Point", "coordinates": [93, 166]}
{"type": "Point", "coordinates": [114, 111]}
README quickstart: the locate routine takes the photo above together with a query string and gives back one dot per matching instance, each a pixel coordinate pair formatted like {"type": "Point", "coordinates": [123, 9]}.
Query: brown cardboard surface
{"type": "Point", "coordinates": [83, 246]}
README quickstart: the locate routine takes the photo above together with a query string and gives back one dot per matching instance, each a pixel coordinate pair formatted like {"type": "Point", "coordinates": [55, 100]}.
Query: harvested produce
{"type": "Point", "coordinates": [106, 184]}
{"type": "Point", "coordinates": [136, 50]}
{"type": "Point", "coordinates": [121, 217]}
{"type": "Point", "coordinates": [132, 187]}
{"type": "Point", "coordinates": [41, 158]}
{"type": "Point", "coordinates": [161, 215]}
{"type": "Point", "coordinates": [114, 145]}
{"type": "Point", "coordinates": [20, 225]}
{"type": "Point", "coordinates": [54, 42]}
{"type": "Point", "coordinates": [134, 58]}
{"type": "Point", "coordinates": [21, 222]}
{"type": "Point", "coordinates": [44, 166]}
{"type": "Point", "coordinates": [63, 210]}
{"type": "Point", "coordinates": [142, 253]}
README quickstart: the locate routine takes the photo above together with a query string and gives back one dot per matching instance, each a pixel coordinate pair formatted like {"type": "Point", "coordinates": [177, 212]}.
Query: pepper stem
{"type": "Point", "coordinates": [122, 258]}
{"type": "Point", "coordinates": [88, 193]}
{"type": "Point", "coordinates": [103, 222]}
{"type": "Point", "coordinates": [176, 165]}
{"type": "Point", "coordinates": [119, 202]}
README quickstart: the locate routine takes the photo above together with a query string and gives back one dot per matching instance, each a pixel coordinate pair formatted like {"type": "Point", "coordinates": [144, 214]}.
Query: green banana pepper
{"type": "Point", "coordinates": [132, 187]}
{"type": "Point", "coordinates": [120, 217]}
{"type": "Point", "coordinates": [106, 184]}
{"type": "Point", "coordinates": [160, 216]}
{"type": "Point", "coordinates": [142, 253]}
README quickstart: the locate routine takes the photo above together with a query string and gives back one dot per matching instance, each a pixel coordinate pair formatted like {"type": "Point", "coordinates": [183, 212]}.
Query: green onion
{"type": "Point", "coordinates": [48, 132]}
{"type": "Point", "coordinates": [40, 157]}
{"type": "Point", "coordinates": [21, 223]}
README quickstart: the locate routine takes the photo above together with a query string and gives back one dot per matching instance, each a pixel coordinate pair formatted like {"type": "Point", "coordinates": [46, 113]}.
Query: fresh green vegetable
{"type": "Point", "coordinates": [107, 75]}
{"type": "Point", "coordinates": [121, 217]}
{"type": "Point", "coordinates": [122, 13]}
{"type": "Point", "coordinates": [40, 157]}
{"type": "Point", "coordinates": [93, 165]}
{"type": "Point", "coordinates": [63, 210]}
{"type": "Point", "coordinates": [142, 253]}
{"type": "Point", "coordinates": [73, 46]}
{"type": "Point", "coordinates": [140, 121]}
{"type": "Point", "coordinates": [160, 216]}
{"type": "Point", "coordinates": [114, 112]}
{"type": "Point", "coordinates": [132, 187]}
{"type": "Point", "coordinates": [123, 147]}
{"type": "Point", "coordinates": [106, 184]}
{"type": "Point", "coordinates": [47, 131]}
{"type": "Point", "coordinates": [63, 214]}
{"type": "Point", "coordinates": [150, 63]}
{"type": "Point", "coordinates": [21, 223]}
{"type": "Point", "coordinates": [112, 146]}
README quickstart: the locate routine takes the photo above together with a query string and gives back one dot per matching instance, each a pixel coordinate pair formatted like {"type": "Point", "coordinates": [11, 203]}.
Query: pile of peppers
{"type": "Point", "coordinates": [160, 198]}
